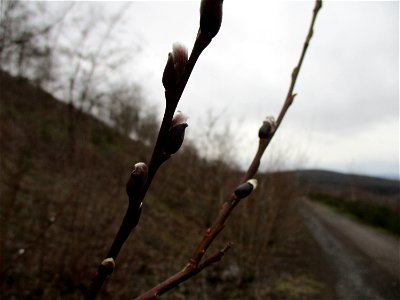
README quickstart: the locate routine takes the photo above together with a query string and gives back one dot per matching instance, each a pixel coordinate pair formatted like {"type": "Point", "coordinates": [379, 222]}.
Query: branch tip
{"type": "Point", "coordinates": [210, 17]}
{"type": "Point", "coordinates": [318, 6]}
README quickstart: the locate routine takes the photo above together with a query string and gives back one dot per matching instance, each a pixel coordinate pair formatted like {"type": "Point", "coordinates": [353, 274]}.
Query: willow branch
{"type": "Point", "coordinates": [194, 265]}
{"type": "Point", "coordinates": [186, 273]}
{"type": "Point", "coordinates": [295, 73]}
{"type": "Point", "coordinates": [264, 142]}
{"type": "Point", "coordinates": [159, 156]}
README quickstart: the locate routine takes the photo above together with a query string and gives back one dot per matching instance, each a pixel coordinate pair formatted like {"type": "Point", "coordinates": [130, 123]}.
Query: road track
{"type": "Point", "coordinates": [364, 262]}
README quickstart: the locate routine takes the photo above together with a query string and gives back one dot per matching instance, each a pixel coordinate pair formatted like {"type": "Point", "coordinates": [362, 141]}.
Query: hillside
{"type": "Point", "coordinates": [345, 182]}
{"type": "Point", "coordinates": [357, 187]}
{"type": "Point", "coordinates": [62, 200]}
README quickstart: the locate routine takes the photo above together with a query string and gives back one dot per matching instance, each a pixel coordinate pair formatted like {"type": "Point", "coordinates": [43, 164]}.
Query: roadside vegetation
{"type": "Point", "coordinates": [52, 235]}
{"type": "Point", "coordinates": [380, 216]}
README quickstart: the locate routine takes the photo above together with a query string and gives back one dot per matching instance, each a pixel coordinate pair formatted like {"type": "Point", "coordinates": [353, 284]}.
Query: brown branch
{"type": "Point", "coordinates": [213, 231]}
{"type": "Point", "coordinates": [252, 170]}
{"type": "Point", "coordinates": [295, 73]}
{"type": "Point", "coordinates": [172, 98]}
{"type": "Point", "coordinates": [194, 266]}
{"type": "Point", "coordinates": [187, 272]}
{"type": "Point", "coordinates": [264, 142]}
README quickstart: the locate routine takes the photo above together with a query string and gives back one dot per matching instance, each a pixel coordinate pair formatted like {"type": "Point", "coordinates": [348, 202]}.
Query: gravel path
{"type": "Point", "coordinates": [365, 263]}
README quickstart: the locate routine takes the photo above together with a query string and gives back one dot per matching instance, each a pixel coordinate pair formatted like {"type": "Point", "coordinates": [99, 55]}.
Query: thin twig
{"type": "Point", "coordinates": [187, 272]}
{"type": "Point", "coordinates": [263, 143]}
{"type": "Point", "coordinates": [194, 266]}
{"type": "Point", "coordinates": [290, 96]}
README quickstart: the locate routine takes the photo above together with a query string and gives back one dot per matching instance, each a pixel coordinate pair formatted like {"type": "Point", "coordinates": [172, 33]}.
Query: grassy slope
{"type": "Point", "coordinates": [84, 192]}
{"type": "Point", "coordinates": [39, 180]}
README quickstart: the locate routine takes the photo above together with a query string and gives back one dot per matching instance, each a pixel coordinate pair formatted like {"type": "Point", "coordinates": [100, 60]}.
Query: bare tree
{"type": "Point", "coordinates": [125, 108]}
{"type": "Point", "coordinates": [24, 41]}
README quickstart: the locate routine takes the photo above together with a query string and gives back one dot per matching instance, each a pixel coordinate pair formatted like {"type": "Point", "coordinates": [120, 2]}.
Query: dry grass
{"type": "Point", "coordinates": [87, 199]}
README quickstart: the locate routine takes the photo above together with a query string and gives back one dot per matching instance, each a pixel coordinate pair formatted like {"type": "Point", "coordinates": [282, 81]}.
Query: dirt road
{"type": "Point", "coordinates": [365, 263]}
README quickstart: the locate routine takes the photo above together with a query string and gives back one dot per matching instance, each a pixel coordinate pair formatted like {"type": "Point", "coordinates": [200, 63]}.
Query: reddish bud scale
{"type": "Point", "coordinates": [136, 180]}
{"type": "Point", "coordinates": [180, 56]}
{"type": "Point", "coordinates": [176, 133]}
{"type": "Point", "coordinates": [175, 138]}
{"type": "Point", "coordinates": [175, 66]}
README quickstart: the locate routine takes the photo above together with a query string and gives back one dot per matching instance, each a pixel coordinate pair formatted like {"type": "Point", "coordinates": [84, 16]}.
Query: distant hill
{"type": "Point", "coordinates": [358, 187]}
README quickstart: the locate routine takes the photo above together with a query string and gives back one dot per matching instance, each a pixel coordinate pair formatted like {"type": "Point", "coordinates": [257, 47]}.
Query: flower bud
{"type": "Point", "coordinates": [267, 128]}
{"type": "Point", "coordinates": [108, 263]}
{"type": "Point", "coordinates": [137, 179]}
{"type": "Point", "coordinates": [176, 133]}
{"type": "Point", "coordinates": [175, 66]}
{"type": "Point", "coordinates": [210, 17]}
{"type": "Point", "coordinates": [179, 118]}
{"type": "Point", "coordinates": [246, 188]}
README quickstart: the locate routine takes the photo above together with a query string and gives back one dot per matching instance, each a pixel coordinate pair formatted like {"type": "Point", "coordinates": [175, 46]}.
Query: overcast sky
{"type": "Point", "coordinates": [346, 114]}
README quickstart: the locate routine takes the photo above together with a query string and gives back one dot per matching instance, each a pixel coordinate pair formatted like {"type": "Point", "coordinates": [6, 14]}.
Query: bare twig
{"type": "Point", "coordinates": [266, 133]}
{"type": "Point", "coordinates": [194, 266]}
{"type": "Point", "coordinates": [187, 272]}
{"type": "Point", "coordinates": [290, 96]}
{"type": "Point", "coordinates": [264, 142]}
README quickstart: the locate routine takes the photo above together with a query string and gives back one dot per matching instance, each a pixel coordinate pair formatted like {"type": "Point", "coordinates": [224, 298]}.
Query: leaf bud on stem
{"type": "Point", "coordinates": [109, 264]}
{"type": "Point", "coordinates": [176, 133]}
{"type": "Point", "coordinates": [245, 189]}
{"type": "Point", "coordinates": [267, 128]}
{"type": "Point", "coordinates": [136, 180]}
{"type": "Point", "coordinates": [175, 66]}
